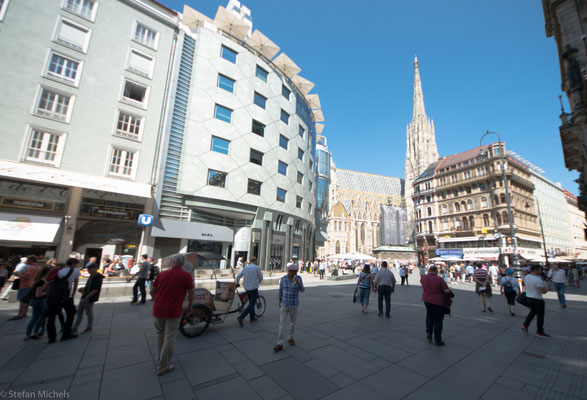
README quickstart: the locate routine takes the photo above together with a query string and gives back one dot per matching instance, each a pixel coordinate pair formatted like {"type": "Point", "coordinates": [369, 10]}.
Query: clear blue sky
{"type": "Point", "coordinates": [485, 65]}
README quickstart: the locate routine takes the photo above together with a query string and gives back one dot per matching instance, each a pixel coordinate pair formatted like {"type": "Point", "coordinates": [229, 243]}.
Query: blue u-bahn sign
{"type": "Point", "coordinates": [145, 219]}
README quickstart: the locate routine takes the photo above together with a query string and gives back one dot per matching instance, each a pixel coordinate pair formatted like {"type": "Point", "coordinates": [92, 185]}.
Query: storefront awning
{"type": "Point", "coordinates": [529, 238]}
{"type": "Point", "coordinates": [28, 228]}
{"type": "Point", "coordinates": [466, 239]}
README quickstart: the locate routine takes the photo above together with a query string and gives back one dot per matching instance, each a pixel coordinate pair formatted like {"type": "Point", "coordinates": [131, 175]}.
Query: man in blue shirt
{"type": "Point", "coordinates": [252, 278]}
{"type": "Point", "coordinates": [290, 287]}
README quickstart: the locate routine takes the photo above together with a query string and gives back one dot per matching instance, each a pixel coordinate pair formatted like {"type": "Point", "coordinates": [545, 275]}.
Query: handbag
{"type": "Point", "coordinates": [355, 295]}
{"type": "Point", "coordinates": [16, 284]}
{"type": "Point", "coordinates": [523, 299]}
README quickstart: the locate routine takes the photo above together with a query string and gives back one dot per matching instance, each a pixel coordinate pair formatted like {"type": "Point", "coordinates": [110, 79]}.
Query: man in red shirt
{"type": "Point", "coordinates": [168, 291]}
{"type": "Point", "coordinates": [434, 289]}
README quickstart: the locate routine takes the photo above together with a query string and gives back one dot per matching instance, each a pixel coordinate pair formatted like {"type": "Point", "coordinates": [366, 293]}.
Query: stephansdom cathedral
{"type": "Point", "coordinates": [374, 214]}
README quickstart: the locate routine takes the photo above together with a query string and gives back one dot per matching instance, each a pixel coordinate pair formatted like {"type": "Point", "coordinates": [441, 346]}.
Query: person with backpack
{"type": "Point", "coordinates": [90, 294]}
{"type": "Point", "coordinates": [62, 287]}
{"type": "Point", "coordinates": [510, 288]}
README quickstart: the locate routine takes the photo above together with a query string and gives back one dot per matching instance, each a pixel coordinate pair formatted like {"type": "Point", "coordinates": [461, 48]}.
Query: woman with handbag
{"type": "Point", "coordinates": [364, 284]}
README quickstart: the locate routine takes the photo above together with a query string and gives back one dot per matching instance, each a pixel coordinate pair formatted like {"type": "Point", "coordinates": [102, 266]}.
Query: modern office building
{"type": "Point", "coordinates": [239, 166]}
{"type": "Point", "coordinates": [566, 21]}
{"type": "Point", "coordinates": [84, 83]}
{"type": "Point", "coordinates": [323, 160]}
{"type": "Point", "coordinates": [471, 211]}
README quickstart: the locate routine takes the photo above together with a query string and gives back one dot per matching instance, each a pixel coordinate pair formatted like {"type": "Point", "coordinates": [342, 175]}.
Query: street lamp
{"type": "Point", "coordinates": [482, 156]}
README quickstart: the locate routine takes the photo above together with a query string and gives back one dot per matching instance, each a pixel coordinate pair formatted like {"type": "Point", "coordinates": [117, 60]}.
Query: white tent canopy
{"type": "Point", "coordinates": [351, 256]}
{"type": "Point", "coordinates": [193, 18]}
{"type": "Point", "coordinates": [314, 101]}
{"type": "Point", "coordinates": [302, 84]}
{"type": "Point", "coordinates": [286, 65]}
{"type": "Point", "coordinates": [319, 128]}
{"type": "Point", "coordinates": [318, 116]}
{"type": "Point", "coordinates": [231, 24]}
{"type": "Point", "coordinates": [263, 44]}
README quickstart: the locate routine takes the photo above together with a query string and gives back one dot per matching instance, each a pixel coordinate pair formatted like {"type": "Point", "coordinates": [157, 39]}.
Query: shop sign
{"type": "Point", "coordinates": [31, 204]}
{"type": "Point", "coordinates": [449, 252]}
{"type": "Point", "coordinates": [242, 239]}
{"type": "Point", "coordinates": [278, 238]}
{"type": "Point", "coordinates": [112, 213]}
{"type": "Point", "coordinates": [481, 252]}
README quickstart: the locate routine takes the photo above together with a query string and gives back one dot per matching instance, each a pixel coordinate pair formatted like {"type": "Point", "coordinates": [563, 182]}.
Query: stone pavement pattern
{"type": "Point", "coordinates": [339, 353]}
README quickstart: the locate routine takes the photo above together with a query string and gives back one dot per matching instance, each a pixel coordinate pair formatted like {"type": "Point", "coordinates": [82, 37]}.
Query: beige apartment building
{"type": "Point", "coordinates": [577, 228]}
{"type": "Point", "coordinates": [468, 213]}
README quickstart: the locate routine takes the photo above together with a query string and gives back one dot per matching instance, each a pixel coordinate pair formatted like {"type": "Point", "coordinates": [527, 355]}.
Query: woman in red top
{"type": "Point", "coordinates": [434, 290]}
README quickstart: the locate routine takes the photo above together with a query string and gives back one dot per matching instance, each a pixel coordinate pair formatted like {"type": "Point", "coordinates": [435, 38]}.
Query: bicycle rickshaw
{"type": "Point", "coordinates": [211, 308]}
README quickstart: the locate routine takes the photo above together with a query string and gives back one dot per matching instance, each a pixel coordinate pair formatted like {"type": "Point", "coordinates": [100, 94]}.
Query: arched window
{"type": "Point", "coordinates": [498, 218]}
{"type": "Point", "coordinates": [463, 205]}
{"type": "Point", "coordinates": [338, 247]}
{"type": "Point", "coordinates": [495, 200]}
{"type": "Point", "coordinates": [458, 223]}
{"type": "Point", "coordinates": [502, 198]}
{"type": "Point", "coordinates": [429, 211]}
{"type": "Point", "coordinates": [469, 204]}
{"type": "Point", "coordinates": [362, 233]}
{"type": "Point", "coordinates": [445, 225]}
{"type": "Point", "coordinates": [429, 226]}
{"type": "Point", "coordinates": [485, 220]}
{"type": "Point", "coordinates": [457, 207]}
{"type": "Point", "coordinates": [444, 209]}
{"type": "Point", "coordinates": [465, 222]}
{"type": "Point", "coordinates": [484, 202]}
{"type": "Point", "coordinates": [505, 217]}
{"type": "Point", "coordinates": [472, 221]}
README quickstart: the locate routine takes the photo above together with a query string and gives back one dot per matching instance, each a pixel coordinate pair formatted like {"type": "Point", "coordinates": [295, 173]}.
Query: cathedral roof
{"type": "Point", "coordinates": [339, 210]}
{"type": "Point", "coordinates": [369, 183]}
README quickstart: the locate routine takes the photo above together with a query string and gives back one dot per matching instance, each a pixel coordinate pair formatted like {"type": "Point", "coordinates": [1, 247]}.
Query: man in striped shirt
{"type": "Point", "coordinates": [483, 287]}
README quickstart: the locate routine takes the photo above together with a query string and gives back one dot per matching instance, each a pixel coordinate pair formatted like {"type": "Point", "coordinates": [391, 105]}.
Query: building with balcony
{"type": "Point", "coordinates": [426, 213]}
{"type": "Point", "coordinates": [238, 169]}
{"type": "Point", "coordinates": [566, 21]}
{"type": "Point", "coordinates": [84, 84]}
{"type": "Point", "coordinates": [468, 215]}
{"type": "Point", "coordinates": [578, 228]}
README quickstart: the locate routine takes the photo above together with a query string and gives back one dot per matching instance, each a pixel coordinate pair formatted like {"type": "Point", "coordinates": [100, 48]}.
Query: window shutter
{"type": "Point", "coordinates": [73, 34]}
{"type": "Point", "coordinates": [140, 63]}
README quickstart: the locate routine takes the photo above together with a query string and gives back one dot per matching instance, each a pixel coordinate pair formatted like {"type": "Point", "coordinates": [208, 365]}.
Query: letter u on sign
{"type": "Point", "coordinates": [145, 219]}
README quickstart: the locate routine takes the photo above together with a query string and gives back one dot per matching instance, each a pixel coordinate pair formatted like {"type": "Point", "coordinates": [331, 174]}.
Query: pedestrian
{"type": "Point", "coordinates": [470, 272]}
{"type": "Point", "coordinates": [3, 273]}
{"type": "Point", "coordinates": [384, 286]}
{"type": "Point", "coordinates": [364, 283]}
{"type": "Point", "coordinates": [141, 275]}
{"type": "Point", "coordinates": [434, 291]}
{"type": "Point", "coordinates": [153, 272]}
{"type": "Point", "coordinates": [493, 271]}
{"type": "Point", "coordinates": [239, 263]}
{"type": "Point", "coordinates": [510, 288]}
{"type": "Point", "coordinates": [252, 278]}
{"type": "Point", "coordinates": [90, 294]}
{"type": "Point", "coordinates": [535, 288]}
{"type": "Point", "coordinates": [39, 304]}
{"type": "Point", "coordinates": [290, 287]}
{"type": "Point", "coordinates": [402, 275]}
{"type": "Point", "coordinates": [169, 290]}
{"type": "Point", "coordinates": [61, 295]}
{"type": "Point", "coordinates": [483, 287]}
{"type": "Point", "coordinates": [463, 272]}
{"type": "Point", "coordinates": [322, 269]}
{"type": "Point", "coordinates": [559, 279]}
{"type": "Point", "coordinates": [26, 274]}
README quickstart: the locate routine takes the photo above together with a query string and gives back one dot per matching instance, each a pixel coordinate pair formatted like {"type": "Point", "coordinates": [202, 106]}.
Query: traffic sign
{"type": "Point", "coordinates": [145, 219]}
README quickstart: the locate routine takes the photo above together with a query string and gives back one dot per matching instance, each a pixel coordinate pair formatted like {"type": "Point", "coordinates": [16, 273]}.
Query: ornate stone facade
{"type": "Point", "coordinates": [354, 220]}
{"type": "Point", "coordinates": [421, 150]}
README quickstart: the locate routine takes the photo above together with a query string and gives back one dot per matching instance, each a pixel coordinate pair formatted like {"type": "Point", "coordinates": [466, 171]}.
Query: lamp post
{"type": "Point", "coordinates": [482, 155]}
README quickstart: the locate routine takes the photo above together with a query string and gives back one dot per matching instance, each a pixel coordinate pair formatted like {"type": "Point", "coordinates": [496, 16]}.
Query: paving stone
{"type": "Point", "coordinates": [433, 389]}
{"type": "Point", "coordinates": [205, 365]}
{"type": "Point", "coordinates": [298, 380]}
{"type": "Point", "coordinates": [353, 392]}
{"type": "Point", "coordinates": [384, 381]}
{"type": "Point", "coordinates": [86, 391]}
{"type": "Point", "coordinates": [233, 355]}
{"type": "Point", "coordinates": [342, 380]}
{"type": "Point", "coordinates": [248, 370]}
{"type": "Point", "coordinates": [46, 369]}
{"type": "Point", "coordinates": [500, 392]}
{"type": "Point", "coordinates": [9, 375]}
{"type": "Point", "coordinates": [126, 355]}
{"type": "Point", "coordinates": [259, 351]}
{"type": "Point", "coordinates": [267, 388]}
{"type": "Point", "coordinates": [178, 390]}
{"type": "Point", "coordinates": [336, 358]}
{"type": "Point", "coordinates": [138, 381]}
{"type": "Point", "coordinates": [236, 388]}
{"type": "Point", "coordinates": [322, 368]}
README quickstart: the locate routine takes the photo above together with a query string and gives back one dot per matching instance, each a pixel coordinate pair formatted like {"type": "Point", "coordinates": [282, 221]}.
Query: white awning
{"type": "Point", "coordinates": [29, 172]}
{"type": "Point", "coordinates": [529, 238]}
{"type": "Point", "coordinates": [465, 239]}
{"type": "Point", "coordinates": [28, 228]}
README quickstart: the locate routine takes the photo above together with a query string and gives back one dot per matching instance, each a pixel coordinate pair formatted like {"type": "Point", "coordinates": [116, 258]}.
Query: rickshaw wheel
{"type": "Point", "coordinates": [196, 324]}
{"type": "Point", "coordinates": [260, 305]}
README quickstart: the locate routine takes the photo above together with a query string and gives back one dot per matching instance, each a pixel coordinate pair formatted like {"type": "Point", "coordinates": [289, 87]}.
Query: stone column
{"type": "Point", "coordinates": [69, 227]}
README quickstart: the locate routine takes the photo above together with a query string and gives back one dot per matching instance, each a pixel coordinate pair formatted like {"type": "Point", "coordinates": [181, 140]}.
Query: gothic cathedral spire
{"type": "Point", "coordinates": [421, 150]}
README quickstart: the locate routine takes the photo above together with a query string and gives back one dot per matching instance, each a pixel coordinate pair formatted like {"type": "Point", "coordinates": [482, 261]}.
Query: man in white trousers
{"type": "Point", "coordinates": [290, 287]}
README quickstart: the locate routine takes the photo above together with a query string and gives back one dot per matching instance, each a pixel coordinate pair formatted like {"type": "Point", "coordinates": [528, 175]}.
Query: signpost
{"type": "Point", "coordinates": [144, 220]}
